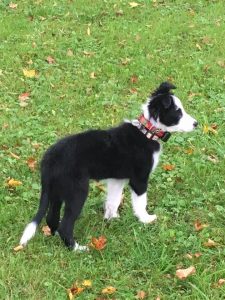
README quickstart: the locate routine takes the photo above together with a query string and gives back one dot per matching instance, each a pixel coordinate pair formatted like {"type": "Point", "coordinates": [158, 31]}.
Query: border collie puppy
{"type": "Point", "coordinates": [129, 152]}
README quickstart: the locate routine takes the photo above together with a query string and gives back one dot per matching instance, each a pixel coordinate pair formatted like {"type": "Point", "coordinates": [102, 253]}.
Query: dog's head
{"type": "Point", "coordinates": [166, 111]}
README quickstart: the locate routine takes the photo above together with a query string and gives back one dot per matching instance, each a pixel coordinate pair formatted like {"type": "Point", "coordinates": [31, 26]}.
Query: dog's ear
{"type": "Point", "coordinates": [166, 101]}
{"type": "Point", "coordinates": [164, 88]}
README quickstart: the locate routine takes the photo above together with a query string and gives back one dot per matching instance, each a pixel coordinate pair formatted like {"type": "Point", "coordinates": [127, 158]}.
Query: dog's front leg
{"type": "Point", "coordinates": [114, 196]}
{"type": "Point", "coordinates": [139, 204]}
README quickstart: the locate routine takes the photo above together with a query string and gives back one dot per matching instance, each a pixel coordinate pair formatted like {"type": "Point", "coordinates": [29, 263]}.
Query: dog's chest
{"type": "Point", "coordinates": [155, 156]}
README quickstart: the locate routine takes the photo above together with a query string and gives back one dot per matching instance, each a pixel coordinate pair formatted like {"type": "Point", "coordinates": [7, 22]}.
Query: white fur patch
{"type": "Point", "coordinates": [156, 156]}
{"type": "Point", "coordinates": [139, 204]}
{"type": "Point", "coordinates": [78, 247]}
{"type": "Point", "coordinates": [114, 196]}
{"type": "Point", "coordinates": [28, 233]}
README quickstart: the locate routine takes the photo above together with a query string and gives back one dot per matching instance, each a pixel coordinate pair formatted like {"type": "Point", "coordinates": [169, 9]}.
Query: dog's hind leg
{"type": "Point", "coordinates": [74, 198]}
{"type": "Point", "coordinates": [53, 216]}
{"type": "Point", "coordinates": [114, 196]}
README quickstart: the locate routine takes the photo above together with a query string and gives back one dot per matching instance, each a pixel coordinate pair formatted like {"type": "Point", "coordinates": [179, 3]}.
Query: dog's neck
{"type": "Point", "coordinates": [148, 126]}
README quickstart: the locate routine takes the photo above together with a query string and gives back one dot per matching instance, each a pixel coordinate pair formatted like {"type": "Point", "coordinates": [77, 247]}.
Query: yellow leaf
{"type": "Point", "coordinates": [87, 283]}
{"type": "Point", "coordinates": [69, 52]}
{"type": "Point", "coordinates": [88, 31]}
{"type": "Point", "coordinates": [184, 273]}
{"type": "Point", "coordinates": [221, 281]}
{"type": "Point", "coordinates": [133, 4]}
{"type": "Point", "coordinates": [210, 243]}
{"type": "Point", "coordinates": [12, 5]}
{"type": "Point", "coordinates": [13, 183]}
{"type": "Point", "coordinates": [29, 73]}
{"type": "Point", "coordinates": [18, 248]}
{"type": "Point", "coordinates": [108, 290]}
{"type": "Point", "coordinates": [93, 75]}
{"type": "Point", "coordinates": [46, 230]}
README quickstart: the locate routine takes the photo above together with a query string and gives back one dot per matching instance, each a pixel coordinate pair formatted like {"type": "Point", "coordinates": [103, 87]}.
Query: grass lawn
{"type": "Point", "coordinates": [98, 47]}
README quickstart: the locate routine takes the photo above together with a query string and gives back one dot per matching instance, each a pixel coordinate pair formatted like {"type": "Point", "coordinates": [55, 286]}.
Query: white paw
{"type": "Point", "coordinates": [111, 215]}
{"type": "Point", "coordinates": [146, 218]}
{"type": "Point", "coordinates": [80, 248]}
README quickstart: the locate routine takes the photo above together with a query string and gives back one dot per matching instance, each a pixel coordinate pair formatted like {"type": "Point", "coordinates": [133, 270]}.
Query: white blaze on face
{"type": "Point", "coordinates": [186, 122]}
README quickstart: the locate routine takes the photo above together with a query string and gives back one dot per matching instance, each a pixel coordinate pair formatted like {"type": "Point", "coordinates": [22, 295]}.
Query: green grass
{"type": "Point", "coordinates": [177, 40]}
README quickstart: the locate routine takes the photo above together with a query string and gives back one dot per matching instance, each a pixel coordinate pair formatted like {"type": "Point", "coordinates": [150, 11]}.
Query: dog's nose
{"type": "Point", "coordinates": [195, 124]}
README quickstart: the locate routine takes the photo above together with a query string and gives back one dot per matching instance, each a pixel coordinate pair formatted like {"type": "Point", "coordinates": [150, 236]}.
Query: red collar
{"type": "Point", "coordinates": [152, 132]}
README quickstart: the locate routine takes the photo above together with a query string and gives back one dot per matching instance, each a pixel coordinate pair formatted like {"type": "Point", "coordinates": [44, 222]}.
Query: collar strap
{"type": "Point", "coordinates": [152, 132]}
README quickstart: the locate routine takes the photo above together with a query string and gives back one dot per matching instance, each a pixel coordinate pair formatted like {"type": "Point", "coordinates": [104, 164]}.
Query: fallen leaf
{"type": "Point", "coordinates": [197, 254]}
{"type": "Point", "coordinates": [133, 91]}
{"type": "Point", "coordinates": [140, 295]}
{"type": "Point", "coordinates": [87, 283]}
{"type": "Point", "coordinates": [14, 155]}
{"type": "Point", "coordinates": [198, 47]}
{"type": "Point", "coordinates": [188, 255]}
{"type": "Point", "coordinates": [74, 291]}
{"type": "Point", "coordinates": [108, 290]}
{"type": "Point", "coordinates": [31, 162]}
{"type": "Point", "coordinates": [119, 13]}
{"type": "Point", "coordinates": [199, 226]}
{"type": "Point", "coordinates": [29, 73]}
{"type": "Point", "coordinates": [221, 63]}
{"type": "Point", "coordinates": [98, 243]}
{"type": "Point", "coordinates": [88, 31]}
{"type": "Point", "coordinates": [125, 61]}
{"type": "Point", "coordinates": [134, 79]}
{"type": "Point", "coordinates": [36, 145]}
{"type": "Point", "coordinates": [210, 243]}
{"type": "Point", "coordinates": [46, 230]}
{"type": "Point", "coordinates": [157, 298]}
{"type": "Point", "coordinates": [168, 167]}
{"type": "Point", "coordinates": [88, 53]}
{"type": "Point", "coordinates": [24, 96]}
{"type": "Point", "coordinates": [12, 5]}
{"type": "Point", "coordinates": [213, 158]}
{"type": "Point", "coordinates": [184, 273]}
{"type": "Point", "coordinates": [189, 151]}
{"type": "Point", "coordinates": [133, 4]}
{"type": "Point", "coordinates": [207, 129]}
{"type": "Point", "coordinates": [30, 62]}
{"type": "Point", "coordinates": [18, 248]}
{"type": "Point", "coordinates": [69, 52]}
{"type": "Point", "coordinates": [93, 75]}
{"type": "Point", "coordinates": [13, 183]}
{"type": "Point", "coordinates": [50, 60]}
{"type": "Point", "coordinates": [221, 281]}
{"type": "Point", "coordinates": [206, 40]}
{"type": "Point", "coordinates": [100, 186]}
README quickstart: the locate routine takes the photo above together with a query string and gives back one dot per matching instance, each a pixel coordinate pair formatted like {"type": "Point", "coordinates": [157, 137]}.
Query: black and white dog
{"type": "Point", "coordinates": [129, 152]}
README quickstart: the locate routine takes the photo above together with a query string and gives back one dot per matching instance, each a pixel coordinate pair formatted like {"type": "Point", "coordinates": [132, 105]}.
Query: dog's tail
{"type": "Point", "coordinates": [30, 229]}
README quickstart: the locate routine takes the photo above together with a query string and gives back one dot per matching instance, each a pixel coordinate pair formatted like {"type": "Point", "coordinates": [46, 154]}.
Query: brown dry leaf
{"type": "Point", "coordinates": [24, 96]}
{"type": "Point", "coordinates": [189, 151]}
{"type": "Point", "coordinates": [221, 281]}
{"type": "Point", "coordinates": [93, 75]}
{"type": "Point", "coordinates": [213, 158]}
{"type": "Point", "coordinates": [207, 129]}
{"type": "Point", "coordinates": [198, 254]}
{"type": "Point", "coordinates": [140, 295]}
{"type": "Point", "coordinates": [98, 243]}
{"type": "Point", "coordinates": [199, 226]}
{"type": "Point", "coordinates": [74, 291]}
{"type": "Point", "coordinates": [32, 163]}
{"type": "Point", "coordinates": [69, 52]}
{"type": "Point", "coordinates": [108, 290]}
{"type": "Point", "coordinates": [50, 60]}
{"type": "Point", "coordinates": [11, 183]}
{"type": "Point", "coordinates": [12, 5]}
{"type": "Point", "coordinates": [210, 243]}
{"type": "Point", "coordinates": [134, 4]}
{"type": "Point", "coordinates": [134, 79]}
{"type": "Point", "coordinates": [125, 61]}
{"type": "Point", "coordinates": [29, 73]}
{"type": "Point", "coordinates": [14, 155]}
{"type": "Point", "coordinates": [133, 91]}
{"type": "Point", "coordinates": [88, 53]}
{"type": "Point", "coordinates": [188, 255]}
{"type": "Point", "coordinates": [36, 145]}
{"type": "Point", "coordinates": [168, 167]}
{"type": "Point", "coordinates": [18, 248]}
{"type": "Point", "coordinates": [46, 230]}
{"type": "Point", "coordinates": [184, 273]}
{"type": "Point", "coordinates": [87, 283]}
{"type": "Point", "coordinates": [119, 13]}
{"type": "Point", "coordinates": [100, 186]}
